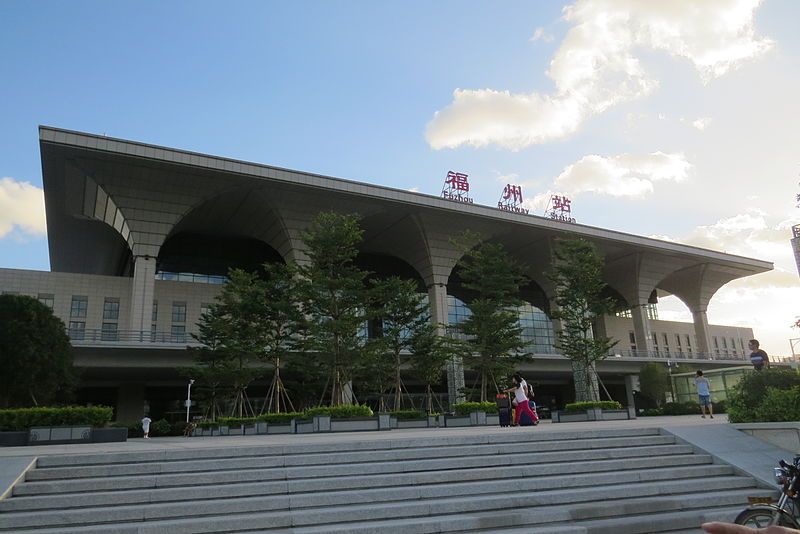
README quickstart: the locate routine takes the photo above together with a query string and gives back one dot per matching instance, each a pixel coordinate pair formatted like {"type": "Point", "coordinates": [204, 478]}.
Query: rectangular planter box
{"type": "Point", "coordinates": [593, 415]}
{"type": "Point", "coordinates": [492, 419]}
{"type": "Point", "coordinates": [56, 435]}
{"type": "Point", "coordinates": [455, 420]}
{"type": "Point", "coordinates": [410, 423]}
{"type": "Point", "coordinates": [354, 424]}
{"type": "Point", "coordinates": [302, 426]}
{"type": "Point", "coordinates": [13, 439]}
{"type": "Point", "coordinates": [109, 435]}
{"type": "Point", "coordinates": [279, 429]}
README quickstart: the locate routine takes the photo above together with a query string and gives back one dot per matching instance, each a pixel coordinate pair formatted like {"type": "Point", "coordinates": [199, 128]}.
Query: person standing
{"type": "Point", "coordinates": [146, 426]}
{"type": "Point", "coordinates": [758, 357]}
{"type": "Point", "coordinates": [520, 399]}
{"type": "Point", "coordinates": [704, 394]}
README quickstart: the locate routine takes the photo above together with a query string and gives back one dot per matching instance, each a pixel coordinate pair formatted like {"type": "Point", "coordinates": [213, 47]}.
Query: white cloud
{"type": "Point", "coordinates": [701, 123]}
{"type": "Point", "coordinates": [596, 68]}
{"type": "Point", "coordinates": [21, 208]}
{"type": "Point", "coordinates": [540, 34]}
{"type": "Point", "coordinates": [624, 175]}
{"type": "Point", "coordinates": [767, 302]}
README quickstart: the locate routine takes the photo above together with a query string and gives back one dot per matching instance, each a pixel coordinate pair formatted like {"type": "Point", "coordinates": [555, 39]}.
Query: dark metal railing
{"type": "Point", "coordinates": [91, 336]}
{"type": "Point", "coordinates": [181, 339]}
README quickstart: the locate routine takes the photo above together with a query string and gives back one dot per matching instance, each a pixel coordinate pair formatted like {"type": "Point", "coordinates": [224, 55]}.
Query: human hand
{"type": "Point", "coordinates": [729, 528]}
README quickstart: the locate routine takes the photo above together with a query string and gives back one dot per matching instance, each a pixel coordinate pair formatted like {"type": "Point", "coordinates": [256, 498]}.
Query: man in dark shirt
{"type": "Point", "coordinates": [758, 357]}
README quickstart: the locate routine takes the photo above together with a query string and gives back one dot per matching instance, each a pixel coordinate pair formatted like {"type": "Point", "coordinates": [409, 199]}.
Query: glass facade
{"type": "Point", "coordinates": [79, 306]}
{"type": "Point", "coordinates": [191, 277]}
{"type": "Point", "coordinates": [77, 330]}
{"type": "Point", "coordinates": [537, 330]}
{"type": "Point", "coordinates": [178, 312]}
{"type": "Point", "coordinates": [47, 300]}
{"type": "Point", "coordinates": [111, 309]}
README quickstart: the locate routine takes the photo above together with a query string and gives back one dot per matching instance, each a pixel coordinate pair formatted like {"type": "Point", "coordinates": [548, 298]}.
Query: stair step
{"type": "Point", "coordinates": [452, 482]}
{"type": "Point", "coordinates": [340, 458]}
{"type": "Point", "coordinates": [394, 503]}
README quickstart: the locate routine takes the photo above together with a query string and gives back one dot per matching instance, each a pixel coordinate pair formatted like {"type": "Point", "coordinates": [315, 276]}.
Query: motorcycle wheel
{"type": "Point", "coordinates": [760, 519]}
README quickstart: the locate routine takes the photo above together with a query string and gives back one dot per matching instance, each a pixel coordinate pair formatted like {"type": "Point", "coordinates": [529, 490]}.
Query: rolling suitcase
{"type": "Point", "coordinates": [503, 410]}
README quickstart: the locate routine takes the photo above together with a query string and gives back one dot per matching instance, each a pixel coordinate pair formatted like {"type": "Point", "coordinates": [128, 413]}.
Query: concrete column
{"type": "Point", "coordinates": [142, 292]}
{"type": "Point", "coordinates": [701, 330]}
{"type": "Point", "coordinates": [631, 385]}
{"type": "Point", "coordinates": [437, 296]}
{"type": "Point", "coordinates": [130, 403]}
{"type": "Point", "coordinates": [641, 328]}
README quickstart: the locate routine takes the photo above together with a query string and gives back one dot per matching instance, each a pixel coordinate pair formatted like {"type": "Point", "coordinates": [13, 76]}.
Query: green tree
{"type": "Point", "coordinates": [430, 353]}
{"type": "Point", "coordinates": [35, 354]}
{"type": "Point", "coordinates": [214, 366]}
{"type": "Point", "coordinates": [654, 381]}
{"type": "Point", "coordinates": [333, 299]}
{"type": "Point", "coordinates": [493, 345]}
{"type": "Point", "coordinates": [403, 314]}
{"type": "Point", "coordinates": [268, 309]}
{"type": "Point", "coordinates": [577, 275]}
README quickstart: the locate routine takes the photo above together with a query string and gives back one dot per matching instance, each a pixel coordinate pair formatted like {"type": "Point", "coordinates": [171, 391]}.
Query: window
{"type": "Point", "coordinates": [155, 311]}
{"type": "Point", "coordinates": [655, 339]}
{"type": "Point", "coordinates": [678, 339]}
{"type": "Point", "coordinates": [688, 341]}
{"type": "Point", "coordinates": [78, 307]}
{"type": "Point", "coordinates": [111, 309]}
{"type": "Point", "coordinates": [178, 334]}
{"type": "Point", "coordinates": [724, 343]}
{"type": "Point", "coordinates": [205, 307]}
{"type": "Point", "coordinates": [178, 312]}
{"type": "Point", "coordinates": [716, 342]}
{"type": "Point", "coordinates": [77, 330]}
{"type": "Point", "coordinates": [666, 340]}
{"type": "Point", "coordinates": [47, 300]}
{"type": "Point", "coordinates": [109, 332]}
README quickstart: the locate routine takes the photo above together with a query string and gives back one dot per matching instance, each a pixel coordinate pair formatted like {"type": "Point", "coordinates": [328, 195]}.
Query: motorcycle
{"type": "Point", "coordinates": [786, 512]}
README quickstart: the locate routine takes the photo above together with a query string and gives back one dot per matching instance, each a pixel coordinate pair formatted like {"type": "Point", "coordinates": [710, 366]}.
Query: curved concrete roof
{"type": "Point", "coordinates": [107, 198]}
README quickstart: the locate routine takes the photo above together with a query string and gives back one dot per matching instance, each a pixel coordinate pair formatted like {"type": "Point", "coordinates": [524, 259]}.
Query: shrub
{"type": "Point", "coordinates": [340, 412]}
{"type": "Point", "coordinates": [279, 418]}
{"type": "Point", "coordinates": [408, 414]}
{"type": "Point", "coordinates": [24, 418]}
{"type": "Point", "coordinates": [162, 427]}
{"type": "Point", "coordinates": [680, 408]}
{"type": "Point", "coordinates": [466, 408]}
{"type": "Point", "coordinates": [751, 392]}
{"type": "Point", "coordinates": [583, 406]}
{"type": "Point", "coordinates": [779, 405]}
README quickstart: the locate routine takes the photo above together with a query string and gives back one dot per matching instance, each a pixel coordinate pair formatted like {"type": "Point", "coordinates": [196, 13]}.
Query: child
{"type": "Point", "coordinates": [704, 395]}
{"type": "Point", "coordinates": [146, 426]}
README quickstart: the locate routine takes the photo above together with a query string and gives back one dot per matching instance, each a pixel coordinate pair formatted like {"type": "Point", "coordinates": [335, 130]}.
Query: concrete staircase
{"type": "Point", "coordinates": [603, 481]}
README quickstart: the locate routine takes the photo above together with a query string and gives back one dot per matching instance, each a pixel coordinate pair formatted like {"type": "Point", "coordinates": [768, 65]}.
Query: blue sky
{"type": "Point", "coordinates": [675, 120]}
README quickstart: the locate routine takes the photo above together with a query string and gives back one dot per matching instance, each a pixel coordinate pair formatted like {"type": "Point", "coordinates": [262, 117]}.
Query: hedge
{"type": "Point", "coordinates": [682, 408]}
{"type": "Point", "coordinates": [24, 418]}
{"type": "Point", "coordinates": [403, 415]}
{"type": "Point", "coordinates": [583, 406]}
{"type": "Point", "coordinates": [340, 412]}
{"type": "Point", "coordinates": [466, 408]}
{"type": "Point", "coordinates": [751, 399]}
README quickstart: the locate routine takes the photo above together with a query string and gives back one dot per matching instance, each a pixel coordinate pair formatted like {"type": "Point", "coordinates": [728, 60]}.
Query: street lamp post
{"type": "Point", "coordinates": [189, 399]}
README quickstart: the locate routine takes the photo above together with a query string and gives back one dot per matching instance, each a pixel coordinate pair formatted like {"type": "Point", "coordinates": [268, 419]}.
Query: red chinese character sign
{"type": "Point", "coordinates": [511, 199]}
{"type": "Point", "coordinates": [456, 187]}
{"type": "Point", "coordinates": [559, 208]}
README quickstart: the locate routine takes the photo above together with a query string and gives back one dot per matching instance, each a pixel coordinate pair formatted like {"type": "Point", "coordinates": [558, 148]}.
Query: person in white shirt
{"type": "Point", "coordinates": [520, 400]}
{"type": "Point", "coordinates": [146, 426]}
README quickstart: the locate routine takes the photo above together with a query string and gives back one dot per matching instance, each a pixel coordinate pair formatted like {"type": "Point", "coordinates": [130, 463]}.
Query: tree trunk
{"type": "Point", "coordinates": [586, 389]}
